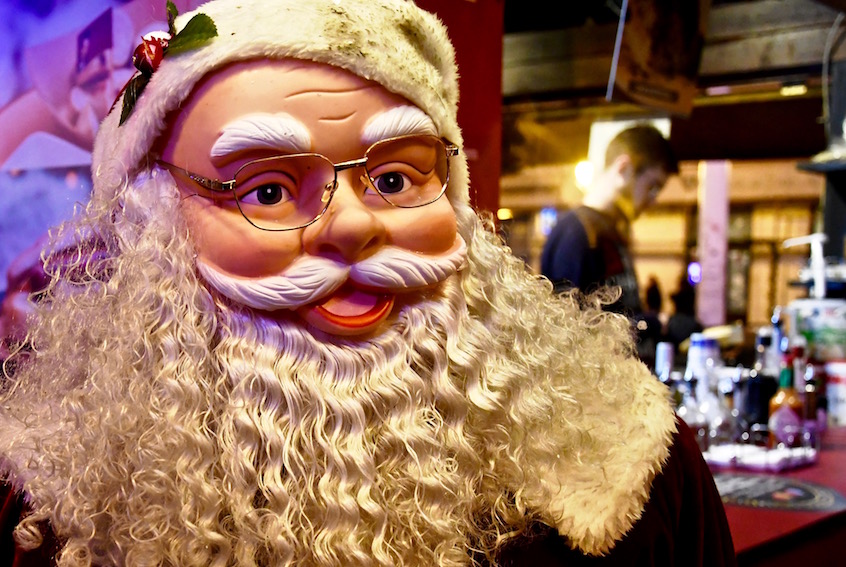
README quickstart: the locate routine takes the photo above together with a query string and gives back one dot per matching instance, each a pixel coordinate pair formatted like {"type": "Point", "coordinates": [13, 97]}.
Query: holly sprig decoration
{"type": "Point", "coordinates": [155, 46]}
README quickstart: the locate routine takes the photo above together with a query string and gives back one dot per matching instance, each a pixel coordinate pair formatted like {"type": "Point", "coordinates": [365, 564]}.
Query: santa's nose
{"type": "Point", "coordinates": [348, 231]}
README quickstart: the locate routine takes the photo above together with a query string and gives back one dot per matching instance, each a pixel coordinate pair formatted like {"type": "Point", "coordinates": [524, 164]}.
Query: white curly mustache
{"type": "Point", "coordinates": [310, 278]}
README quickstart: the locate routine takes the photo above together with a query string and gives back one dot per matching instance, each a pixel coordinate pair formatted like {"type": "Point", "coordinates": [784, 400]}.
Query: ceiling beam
{"type": "Point", "coordinates": [763, 38]}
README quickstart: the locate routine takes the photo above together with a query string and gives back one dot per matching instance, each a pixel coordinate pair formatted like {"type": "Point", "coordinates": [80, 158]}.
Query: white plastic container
{"type": "Point", "coordinates": [822, 323]}
{"type": "Point", "coordinates": [835, 391]}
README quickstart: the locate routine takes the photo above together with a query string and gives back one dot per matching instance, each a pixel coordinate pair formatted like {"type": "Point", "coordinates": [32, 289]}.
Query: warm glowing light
{"type": "Point", "coordinates": [793, 90]}
{"type": "Point", "coordinates": [505, 214]}
{"type": "Point", "coordinates": [584, 174]}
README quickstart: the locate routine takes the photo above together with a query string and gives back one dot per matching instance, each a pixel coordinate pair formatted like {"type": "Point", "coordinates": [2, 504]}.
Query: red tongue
{"type": "Point", "coordinates": [349, 311]}
{"type": "Point", "coordinates": [350, 302]}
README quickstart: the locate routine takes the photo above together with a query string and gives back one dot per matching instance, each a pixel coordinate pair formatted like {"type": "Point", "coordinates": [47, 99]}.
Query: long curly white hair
{"type": "Point", "coordinates": [164, 425]}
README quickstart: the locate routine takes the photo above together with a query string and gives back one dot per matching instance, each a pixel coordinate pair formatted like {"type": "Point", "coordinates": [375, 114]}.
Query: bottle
{"type": "Point", "coordinates": [696, 355]}
{"type": "Point", "coordinates": [760, 385]}
{"type": "Point", "coordinates": [704, 373]}
{"type": "Point", "coordinates": [715, 401]}
{"type": "Point", "coordinates": [690, 412]}
{"type": "Point", "coordinates": [809, 399]}
{"type": "Point", "coordinates": [688, 409]}
{"type": "Point", "coordinates": [809, 393]}
{"type": "Point", "coordinates": [799, 352]}
{"type": "Point", "coordinates": [778, 342]}
{"type": "Point", "coordinates": [814, 398]}
{"type": "Point", "coordinates": [664, 355]}
{"type": "Point", "coordinates": [786, 409]}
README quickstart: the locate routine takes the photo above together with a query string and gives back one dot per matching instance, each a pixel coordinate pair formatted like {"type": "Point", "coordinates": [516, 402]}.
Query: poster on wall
{"type": "Point", "coordinates": [63, 63]}
{"type": "Point", "coordinates": [657, 53]}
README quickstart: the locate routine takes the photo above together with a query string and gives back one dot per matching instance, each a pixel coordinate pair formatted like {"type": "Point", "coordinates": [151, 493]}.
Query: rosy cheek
{"type": "Point", "coordinates": [429, 230]}
{"type": "Point", "coordinates": [227, 241]}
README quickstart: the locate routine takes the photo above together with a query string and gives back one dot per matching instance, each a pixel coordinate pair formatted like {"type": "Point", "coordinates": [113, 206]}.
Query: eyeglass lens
{"type": "Point", "coordinates": [285, 192]}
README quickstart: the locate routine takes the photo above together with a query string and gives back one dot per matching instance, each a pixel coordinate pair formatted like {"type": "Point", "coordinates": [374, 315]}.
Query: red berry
{"type": "Point", "coordinates": [148, 55]}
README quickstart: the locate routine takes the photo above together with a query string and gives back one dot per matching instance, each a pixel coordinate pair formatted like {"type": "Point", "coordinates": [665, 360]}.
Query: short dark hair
{"type": "Point", "coordinates": [646, 146]}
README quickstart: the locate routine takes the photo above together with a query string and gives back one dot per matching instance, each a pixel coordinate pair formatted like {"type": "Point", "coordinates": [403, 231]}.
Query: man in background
{"type": "Point", "coordinates": [589, 246]}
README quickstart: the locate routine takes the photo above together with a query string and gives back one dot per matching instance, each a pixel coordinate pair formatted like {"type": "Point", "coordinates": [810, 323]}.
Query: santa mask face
{"type": "Point", "coordinates": [343, 267]}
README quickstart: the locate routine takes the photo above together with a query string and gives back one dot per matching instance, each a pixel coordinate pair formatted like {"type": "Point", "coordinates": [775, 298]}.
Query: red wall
{"type": "Point", "coordinates": [475, 27]}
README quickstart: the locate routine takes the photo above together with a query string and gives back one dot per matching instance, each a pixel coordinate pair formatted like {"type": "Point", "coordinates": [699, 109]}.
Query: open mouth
{"type": "Point", "coordinates": [349, 311]}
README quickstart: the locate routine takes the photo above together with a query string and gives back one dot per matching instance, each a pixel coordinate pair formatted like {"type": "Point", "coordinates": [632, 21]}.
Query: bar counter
{"type": "Point", "coordinates": [793, 517]}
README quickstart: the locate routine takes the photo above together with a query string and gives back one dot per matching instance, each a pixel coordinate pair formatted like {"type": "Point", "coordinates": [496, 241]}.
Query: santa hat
{"type": "Point", "coordinates": [392, 42]}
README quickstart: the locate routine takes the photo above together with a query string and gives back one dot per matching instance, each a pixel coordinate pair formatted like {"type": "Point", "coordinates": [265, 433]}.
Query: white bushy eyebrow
{"type": "Point", "coordinates": [398, 121]}
{"type": "Point", "coordinates": [279, 131]}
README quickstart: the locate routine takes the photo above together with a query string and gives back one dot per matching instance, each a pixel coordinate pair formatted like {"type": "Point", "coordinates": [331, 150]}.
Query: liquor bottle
{"type": "Point", "coordinates": [799, 353]}
{"type": "Point", "coordinates": [760, 386]}
{"type": "Point", "coordinates": [786, 409]}
{"type": "Point", "coordinates": [814, 398]}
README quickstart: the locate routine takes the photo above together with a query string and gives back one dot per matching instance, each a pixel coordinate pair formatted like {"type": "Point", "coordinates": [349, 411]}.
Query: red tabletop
{"type": "Point", "coordinates": [777, 536]}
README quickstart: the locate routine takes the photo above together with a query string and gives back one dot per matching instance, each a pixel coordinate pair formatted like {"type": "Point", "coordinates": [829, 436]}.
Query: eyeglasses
{"type": "Point", "coordinates": [293, 191]}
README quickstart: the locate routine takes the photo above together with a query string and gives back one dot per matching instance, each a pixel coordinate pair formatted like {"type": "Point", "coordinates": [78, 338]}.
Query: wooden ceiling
{"type": "Point", "coordinates": [556, 69]}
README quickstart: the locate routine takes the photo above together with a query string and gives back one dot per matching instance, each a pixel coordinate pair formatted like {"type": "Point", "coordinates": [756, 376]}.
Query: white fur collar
{"type": "Point", "coordinates": [595, 507]}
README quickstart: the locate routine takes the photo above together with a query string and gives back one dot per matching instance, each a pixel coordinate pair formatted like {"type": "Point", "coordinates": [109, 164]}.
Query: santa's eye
{"type": "Point", "coordinates": [391, 182]}
{"type": "Point", "coordinates": [267, 194]}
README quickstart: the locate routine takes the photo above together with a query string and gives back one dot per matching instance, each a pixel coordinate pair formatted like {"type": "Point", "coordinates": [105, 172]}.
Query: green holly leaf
{"type": "Point", "coordinates": [172, 12]}
{"type": "Point", "coordinates": [133, 90]}
{"type": "Point", "coordinates": [197, 32]}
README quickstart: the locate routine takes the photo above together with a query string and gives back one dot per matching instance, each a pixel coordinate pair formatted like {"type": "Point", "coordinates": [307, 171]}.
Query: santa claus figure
{"type": "Point", "coordinates": [296, 344]}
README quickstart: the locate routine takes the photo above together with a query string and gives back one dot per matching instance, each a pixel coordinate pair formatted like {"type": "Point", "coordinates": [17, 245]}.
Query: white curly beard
{"type": "Point", "coordinates": [344, 454]}
{"type": "Point", "coordinates": [284, 450]}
